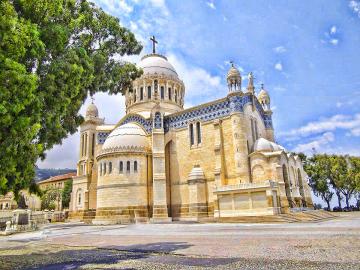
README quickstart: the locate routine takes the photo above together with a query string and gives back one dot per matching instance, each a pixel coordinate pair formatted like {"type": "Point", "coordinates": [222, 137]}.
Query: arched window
{"type": "Point", "coordinates": [155, 85]}
{"type": "Point", "coordinates": [256, 130]}
{"type": "Point", "coordinates": [104, 168]}
{"type": "Point", "coordinates": [175, 95]}
{"type": "Point", "coordinates": [149, 92]}
{"type": "Point", "coordinates": [198, 130]}
{"type": "Point", "coordinates": [191, 134]}
{"type": "Point", "coordinates": [93, 145]}
{"type": "Point", "coordinates": [162, 92]}
{"type": "Point", "coordinates": [169, 93]}
{"type": "Point", "coordinates": [110, 167]}
{"type": "Point", "coordinates": [121, 167]}
{"type": "Point", "coordinates": [134, 96]}
{"type": "Point", "coordinates": [135, 166]}
{"type": "Point", "coordinates": [141, 93]}
{"type": "Point", "coordinates": [128, 166]}
{"type": "Point", "coordinates": [79, 196]}
{"type": "Point", "coordinates": [157, 120]}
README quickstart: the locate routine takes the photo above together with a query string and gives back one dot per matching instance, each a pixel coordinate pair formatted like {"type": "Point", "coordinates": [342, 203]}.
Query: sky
{"type": "Point", "coordinates": [307, 54]}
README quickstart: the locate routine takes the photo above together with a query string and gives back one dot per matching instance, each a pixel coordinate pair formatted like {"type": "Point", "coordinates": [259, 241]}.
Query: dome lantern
{"type": "Point", "coordinates": [233, 78]}
{"type": "Point", "coordinates": [92, 110]}
{"type": "Point", "coordinates": [264, 98]}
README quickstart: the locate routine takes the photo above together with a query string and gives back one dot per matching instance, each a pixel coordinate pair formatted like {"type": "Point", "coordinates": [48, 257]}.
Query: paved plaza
{"type": "Point", "coordinates": [331, 244]}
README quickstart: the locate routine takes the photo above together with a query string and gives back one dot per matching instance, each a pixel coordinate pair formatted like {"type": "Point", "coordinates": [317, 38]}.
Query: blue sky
{"type": "Point", "coordinates": [307, 53]}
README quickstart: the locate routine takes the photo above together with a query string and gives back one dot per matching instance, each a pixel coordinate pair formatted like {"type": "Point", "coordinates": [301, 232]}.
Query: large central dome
{"type": "Point", "coordinates": [157, 64]}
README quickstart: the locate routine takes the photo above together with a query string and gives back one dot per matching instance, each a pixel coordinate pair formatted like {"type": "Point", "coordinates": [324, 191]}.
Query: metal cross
{"type": "Point", "coordinates": [92, 99]}
{"type": "Point", "coordinates": [232, 63]}
{"type": "Point", "coordinates": [154, 41]}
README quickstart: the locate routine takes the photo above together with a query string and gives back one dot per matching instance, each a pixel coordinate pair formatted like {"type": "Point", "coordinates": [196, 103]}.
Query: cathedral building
{"type": "Point", "coordinates": [162, 162]}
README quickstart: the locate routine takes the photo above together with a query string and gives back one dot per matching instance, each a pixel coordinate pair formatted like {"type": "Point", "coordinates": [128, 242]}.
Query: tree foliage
{"type": "Point", "coordinates": [50, 199]}
{"type": "Point", "coordinates": [333, 172]}
{"type": "Point", "coordinates": [66, 194]}
{"type": "Point", "coordinates": [317, 169]}
{"type": "Point", "coordinates": [52, 54]}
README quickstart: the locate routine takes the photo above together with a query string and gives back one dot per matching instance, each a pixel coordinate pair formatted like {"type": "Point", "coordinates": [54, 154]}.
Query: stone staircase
{"type": "Point", "coordinates": [85, 216]}
{"type": "Point", "coordinates": [305, 216]}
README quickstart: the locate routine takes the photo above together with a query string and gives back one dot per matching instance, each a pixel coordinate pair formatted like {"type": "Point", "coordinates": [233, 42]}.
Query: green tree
{"type": "Point", "coordinates": [52, 54]}
{"type": "Point", "coordinates": [317, 169]}
{"type": "Point", "coordinates": [50, 198]}
{"type": "Point", "coordinates": [66, 194]}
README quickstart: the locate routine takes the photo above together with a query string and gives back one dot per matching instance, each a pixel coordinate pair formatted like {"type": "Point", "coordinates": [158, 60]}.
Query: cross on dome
{"type": "Point", "coordinates": [154, 41]}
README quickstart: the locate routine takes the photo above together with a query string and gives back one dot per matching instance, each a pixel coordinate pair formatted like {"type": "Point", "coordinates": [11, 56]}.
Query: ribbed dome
{"type": "Point", "coordinates": [129, 137]}
{"type": "Point", "coordinates": [157, 64]}
{"type": "Point", "coordinates": [264, 145]}
{"type": "Point", "coordinates": [92, 110]}
{"type": "Point", "coordinates": [233, 73]}
{"type": "Point", "coordinates": [263, 94]}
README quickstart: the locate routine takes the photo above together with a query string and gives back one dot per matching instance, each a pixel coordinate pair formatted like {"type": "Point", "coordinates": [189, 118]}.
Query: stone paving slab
{"type": "Point", "coordinates": [331, 244]}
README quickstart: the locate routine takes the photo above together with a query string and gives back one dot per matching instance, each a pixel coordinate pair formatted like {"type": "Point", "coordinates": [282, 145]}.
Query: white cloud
{"type": "Point", "coordinates": [333, 30]}
{"type": "Point", "coordinates": [211, 5]}
{"type": "Point", "coordinates": [279, 89]}
{"type": "Point", "coordinates": [161, 5]}
{"type": "Point", "coordinates": [339, 121]}
{"type": "Point", "coordinates": [355, 6]}
{"type": "Point", "coordinates": [278, 66]}
{"type": "Point", "coordinates": [316, 144]}
{"type": "Point", "coordinates": [279, 49]}
{"type": "Point", "coordinates": [114, 6]}
{"type": "Point", "coordinates": [198, 81]}
{"type": "Point", "coordinates": [334, 41]}
{"type": "Point", "coordinates": [110, 107]}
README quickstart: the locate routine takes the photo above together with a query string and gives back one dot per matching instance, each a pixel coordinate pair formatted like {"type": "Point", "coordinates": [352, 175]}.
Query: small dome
{"type": "Point", "coordinates": [264, 145]}
{"type": "Point", "coordinates": [263, 94]}
{"type": "Point", "coordinates": [125, 138]}
{"type": "Point", "coordinates": [92, 111]}
{"type": "Point", "coordinates": [233, 73]}
{"type": "Point", "coordinates": [157, 64]}
{"type": "Point", "coordinates": [196, 174]}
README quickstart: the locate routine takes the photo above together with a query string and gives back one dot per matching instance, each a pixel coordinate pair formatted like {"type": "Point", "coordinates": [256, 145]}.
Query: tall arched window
{"type": "Point", "coordinates": [93, 145]}
{"type": "Point", "coordinates": [110, 167]}
{"type": "Point", "coordinates": [135, 166]}
{"type": "Point", "coordinates": [141, 93]}
{"type": "Point", "coordinates": [134, 96]}
{"type": "Point", "coordinates": [198, 130]}
{"type": "Point", "coordinates": [162, 92]}
{"type": "Point", "coordinates": [149, 92]}
{"type": "Point", "coordinates": [128, 166]}
{"type": "Point", "coordinates": [175, 95]}
{"type": "Point", "coordinates": [191, 134]}
{"type": "Point", "coordinates": [169, 93]}
{"type": "Point", "coordinates": [104, 168]}
{"type": "Point", "coordinates": [121, 167]}
{"type": "Point", "coordinates": [256, 129]}
{"type": "Point", "coordinates": [79, 196]}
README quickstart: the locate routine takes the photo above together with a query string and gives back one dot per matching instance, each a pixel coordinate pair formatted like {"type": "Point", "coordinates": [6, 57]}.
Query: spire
{"type": "Point", "coordinates": [250, 88]}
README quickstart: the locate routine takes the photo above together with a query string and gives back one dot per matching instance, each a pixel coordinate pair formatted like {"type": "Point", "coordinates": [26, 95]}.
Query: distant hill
{"type": "Point", "coordinates": [42, 174]}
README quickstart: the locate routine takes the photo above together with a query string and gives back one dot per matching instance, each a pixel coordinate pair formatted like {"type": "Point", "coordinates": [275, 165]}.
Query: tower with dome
{"type": "Point", "coordinates": [162, 162]}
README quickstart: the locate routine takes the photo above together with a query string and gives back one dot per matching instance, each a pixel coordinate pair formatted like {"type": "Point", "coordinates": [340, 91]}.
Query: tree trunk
{"type": "Point", "coordinates": [338, 194]}
{"type": "Point", "coordinates": [347, 199]}
{"type": "Point", "coordinates": [328, 204]}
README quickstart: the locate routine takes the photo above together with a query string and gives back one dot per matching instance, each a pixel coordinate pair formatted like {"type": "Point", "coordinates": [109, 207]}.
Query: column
{"type": "Point", "coordinates": [241, 155]}
{"type": "Point", "coordinates": [160, 204]}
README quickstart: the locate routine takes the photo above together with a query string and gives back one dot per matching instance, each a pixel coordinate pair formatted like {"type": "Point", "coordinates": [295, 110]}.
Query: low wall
{"type": "Point", "coordinates": [26, 220]}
